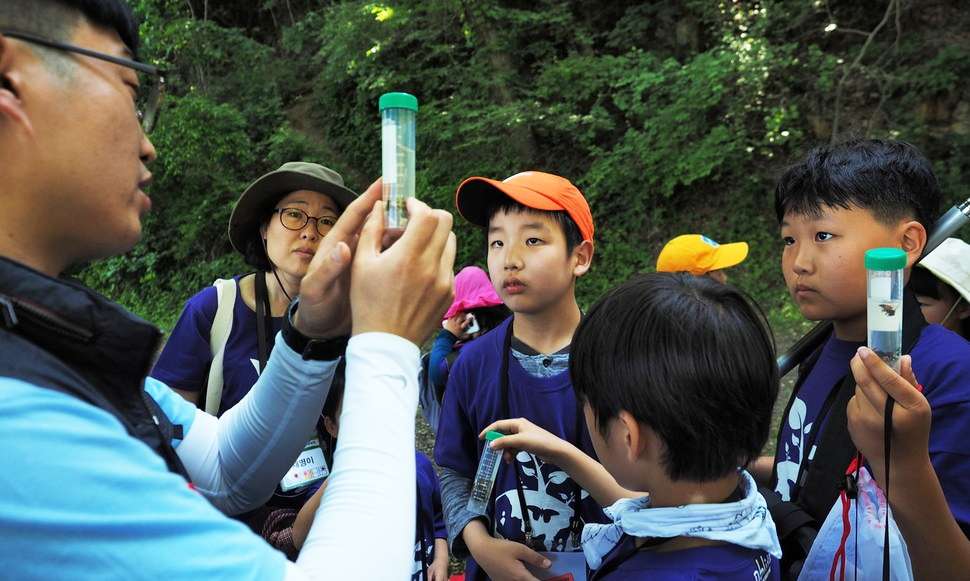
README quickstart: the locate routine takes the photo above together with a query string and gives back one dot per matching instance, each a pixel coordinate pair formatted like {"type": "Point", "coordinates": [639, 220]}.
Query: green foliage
{"type": "Point", "coordinates": [671, 117]}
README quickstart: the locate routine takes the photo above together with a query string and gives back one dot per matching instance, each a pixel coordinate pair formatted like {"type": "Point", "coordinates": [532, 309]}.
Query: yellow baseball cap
{"type": "Point", "coordinates": [698, 254]}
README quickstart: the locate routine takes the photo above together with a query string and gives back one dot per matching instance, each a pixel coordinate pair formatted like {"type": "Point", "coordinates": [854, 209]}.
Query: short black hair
{"type": "Point", "coordinates": [490, 317]}
{"type": "Point", "coordinates": [692, 359]}
{"type": "Point", "coordinates": [57, 19]}
{"type": "Point", "coordinates": [892, 179]}
{"type": "Point", "coordinates": [254, 253]}
{"type": "Point", "coordinates": [336, 394]}
{"type": "Point", "coordinates": [925, 283]}
{"type": "Point", "coordinates": [506, 205]}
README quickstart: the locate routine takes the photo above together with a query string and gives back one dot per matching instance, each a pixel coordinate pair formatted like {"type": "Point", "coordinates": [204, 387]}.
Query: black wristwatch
{"type": "Point", "coordinates": [311, 349]}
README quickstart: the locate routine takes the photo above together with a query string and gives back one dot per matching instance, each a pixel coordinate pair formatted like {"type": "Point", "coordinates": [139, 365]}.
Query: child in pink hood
{"type": "Point", "coordinates": [476, 310]}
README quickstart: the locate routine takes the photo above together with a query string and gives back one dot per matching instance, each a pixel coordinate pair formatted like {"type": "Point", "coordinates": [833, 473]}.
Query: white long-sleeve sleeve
{"type": "Point", "coordinates": [236, 461]}
{"type": "Point", "coordinates": [371, 492]}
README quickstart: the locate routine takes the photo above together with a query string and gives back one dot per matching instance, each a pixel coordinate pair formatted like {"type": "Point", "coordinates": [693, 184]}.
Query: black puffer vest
{"type": "Point", "coordinates": [59, 335]}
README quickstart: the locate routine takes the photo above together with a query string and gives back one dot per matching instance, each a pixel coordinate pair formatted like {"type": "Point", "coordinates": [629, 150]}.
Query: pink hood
{"type": "Point", "coordinates": [473, 290]}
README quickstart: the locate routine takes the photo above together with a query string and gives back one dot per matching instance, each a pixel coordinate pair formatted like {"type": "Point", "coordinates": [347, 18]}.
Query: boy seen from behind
{"type": "Point", "coordinates": [678, 378]}
{"type": "Point", "coordinates": [540, 239]}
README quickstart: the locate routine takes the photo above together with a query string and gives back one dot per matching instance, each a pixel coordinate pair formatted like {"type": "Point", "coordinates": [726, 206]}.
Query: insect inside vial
{"type": "Point", "coordinates": [888, 308]}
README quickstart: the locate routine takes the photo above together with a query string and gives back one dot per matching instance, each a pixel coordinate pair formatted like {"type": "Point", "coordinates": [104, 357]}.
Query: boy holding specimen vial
{"type": "Point", "coordinates": [838, 203]}
{"type": "Point", "coordinates": [540, 240]}
{"type": "Point", "coordinates": [677, 377]}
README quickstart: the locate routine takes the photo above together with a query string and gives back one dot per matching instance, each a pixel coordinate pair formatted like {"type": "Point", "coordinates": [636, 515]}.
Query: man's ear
{"type": "Point", "coordinates": [583, 254]}
{"type": "Point", "coordinates": [912, 239]}
{"type": "Point", "coordinates": [12, 82]}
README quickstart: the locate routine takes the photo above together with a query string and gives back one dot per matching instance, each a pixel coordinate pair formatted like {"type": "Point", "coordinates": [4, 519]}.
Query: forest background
{"type": "Point", "coordinates": [672, 117]}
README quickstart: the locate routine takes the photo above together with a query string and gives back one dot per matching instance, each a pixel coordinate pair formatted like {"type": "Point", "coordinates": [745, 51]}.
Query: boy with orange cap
{"type": "Point", "coordinates": [540, 240]}
{"type": "Point", "coordinates": [701, 256]}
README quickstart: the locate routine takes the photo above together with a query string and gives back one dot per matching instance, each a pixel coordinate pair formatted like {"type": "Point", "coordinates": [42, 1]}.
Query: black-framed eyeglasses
{"type": "Point", "coordinates": [297, 219]}
{"type": "Point", "coordinates": [151, 84]}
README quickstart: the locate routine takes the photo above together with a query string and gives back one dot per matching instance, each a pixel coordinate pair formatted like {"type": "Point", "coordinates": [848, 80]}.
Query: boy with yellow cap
{"type": "Point", "coordinates": [701, 256]}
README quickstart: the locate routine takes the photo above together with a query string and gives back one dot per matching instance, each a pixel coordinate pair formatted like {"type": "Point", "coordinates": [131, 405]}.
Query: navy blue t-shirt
{"type": "Point", "coordinates": [184, 362]}
{"type": "Point", "coordinates": [941, 363]}
{"type": "Point", "coordinates": [721, 562]}
{"type": "Point", "coordinates": [430, 520]}
{"type": "Point", "coordinates": [473, 401]}
{"type": "Point", "coordinates": [798, 433]}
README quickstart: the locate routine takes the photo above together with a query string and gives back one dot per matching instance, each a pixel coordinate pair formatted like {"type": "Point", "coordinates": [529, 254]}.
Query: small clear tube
{"type": "Point", "coordinates": [884, 304]}
{"type": "Point", "coordinates": [481, 492]}
{"type": "Point", "coordinates": [398, 121]}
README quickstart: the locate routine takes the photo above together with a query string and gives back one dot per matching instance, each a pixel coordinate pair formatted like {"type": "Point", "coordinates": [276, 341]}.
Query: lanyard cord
{"type": "Point", "coordinates": [264, 320]}
{"type": "Point", "coordinates": [888, 438]}
{"type": "Point", "coordinates": [575, 524]}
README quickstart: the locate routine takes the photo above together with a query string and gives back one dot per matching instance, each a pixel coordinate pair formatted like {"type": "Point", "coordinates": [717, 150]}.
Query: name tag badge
{"type": "Point", "coordinates": [308, 468]}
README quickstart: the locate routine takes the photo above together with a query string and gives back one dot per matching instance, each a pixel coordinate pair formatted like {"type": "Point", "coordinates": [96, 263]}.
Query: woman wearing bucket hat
{"type": "Point", "coordinates": [225, 333]}
{"type": "Point", "coordinates": [942, 286]}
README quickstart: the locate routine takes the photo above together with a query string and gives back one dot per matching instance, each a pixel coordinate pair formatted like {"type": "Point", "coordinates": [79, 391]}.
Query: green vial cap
{"type": "Point", "coordinates": [493, 435]}
{"type": "Point", "coordinates": [398, 101]}
{"type": "Point", "coordinates": [885, 259]}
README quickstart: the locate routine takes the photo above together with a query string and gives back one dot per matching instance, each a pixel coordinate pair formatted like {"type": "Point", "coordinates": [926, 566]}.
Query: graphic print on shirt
{"type": "Point", "coordinates": [794, 449]}
{"type": "Point", "coordinates": [417, 570]}
{"type": "Point", "coordinates": [549, 493]}
{"type": "Point", "coordinates": [762, 565]}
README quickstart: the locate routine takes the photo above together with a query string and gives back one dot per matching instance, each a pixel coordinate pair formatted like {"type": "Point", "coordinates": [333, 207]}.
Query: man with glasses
{"type": "Point", "coordinates": [109, 475]}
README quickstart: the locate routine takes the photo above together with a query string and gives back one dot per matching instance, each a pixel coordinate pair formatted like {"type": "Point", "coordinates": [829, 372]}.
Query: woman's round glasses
{"type": "Point", "coordinates": [297, 219]}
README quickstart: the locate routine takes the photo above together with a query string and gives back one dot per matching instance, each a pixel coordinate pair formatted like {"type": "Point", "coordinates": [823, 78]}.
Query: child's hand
{"type": "Point", "coordinates": [875, 380]}
{"type": "Point", "coordinates": [521, 434]}
{"type": "Point", "coordinates": [505, 560]}
{"type": "Point", "coordinates": [458, 324]}
{"type": "Point", "coordinates": [438, 571]}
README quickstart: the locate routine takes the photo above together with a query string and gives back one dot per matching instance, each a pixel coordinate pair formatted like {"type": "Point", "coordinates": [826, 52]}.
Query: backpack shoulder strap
{"type": "Point", "coordinates": [218, 336]}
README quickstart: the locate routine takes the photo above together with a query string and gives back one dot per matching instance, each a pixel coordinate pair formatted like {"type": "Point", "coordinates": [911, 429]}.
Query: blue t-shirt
{"type": "Point", "coordinates": [720, 562]}
{"type": "Point", "coordinates": [125, 515]}
{"type": "Point", "coordinates": [941, 363]}
{"type": "Point", "coordinates": [473, 401]}
{"type": "Point", "coordinates": [430, 520]}
{"type": "Point", "coordinates": [798, 433]}
{"type": "Point", "coordinates": [184, 362]}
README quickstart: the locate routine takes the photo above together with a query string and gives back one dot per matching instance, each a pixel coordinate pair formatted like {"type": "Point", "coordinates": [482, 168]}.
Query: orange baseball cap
{"type": "Point", "coordinates": [532, 189]}
{"type": "Point", "coordinates": [699, 255]}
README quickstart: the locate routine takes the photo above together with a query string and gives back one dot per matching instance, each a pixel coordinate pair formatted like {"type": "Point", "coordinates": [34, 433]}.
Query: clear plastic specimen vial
{"type": "Point", "coordinates": [485, 476]}
{"type": "Point", "coordinates": [884, 307]}
{"type": "Point", "coordinates": [398, 119]}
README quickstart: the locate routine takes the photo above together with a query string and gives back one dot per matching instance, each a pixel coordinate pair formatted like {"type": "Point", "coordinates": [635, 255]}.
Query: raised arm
{"type": "Point", "coordinates": [521, 434]}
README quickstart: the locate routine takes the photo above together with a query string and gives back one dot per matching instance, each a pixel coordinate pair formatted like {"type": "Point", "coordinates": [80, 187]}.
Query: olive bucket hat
{"type": "Point", "coordinates": [260, 197]}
